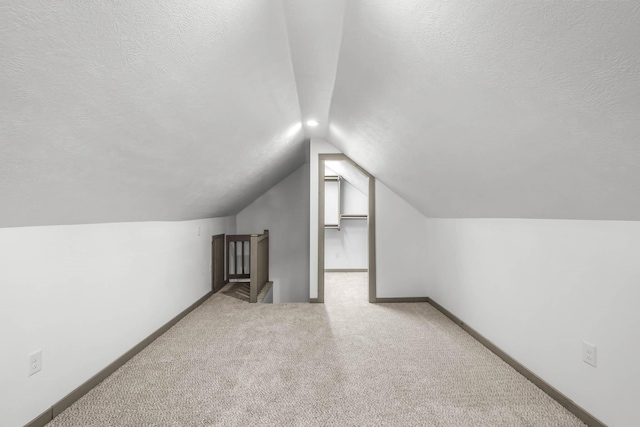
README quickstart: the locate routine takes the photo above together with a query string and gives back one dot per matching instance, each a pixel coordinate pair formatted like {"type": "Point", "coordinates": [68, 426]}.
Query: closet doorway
{"type": "Point", "coordinates": [346, 231]}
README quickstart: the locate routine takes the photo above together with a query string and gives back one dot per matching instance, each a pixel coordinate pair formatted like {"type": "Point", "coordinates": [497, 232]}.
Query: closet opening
{"type": "Point", "coordinates": [346, 232]}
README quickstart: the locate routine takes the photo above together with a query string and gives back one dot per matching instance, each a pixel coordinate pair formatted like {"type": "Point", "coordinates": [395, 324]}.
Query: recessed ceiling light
{"type": "Point", "coordinates": [312, 123]}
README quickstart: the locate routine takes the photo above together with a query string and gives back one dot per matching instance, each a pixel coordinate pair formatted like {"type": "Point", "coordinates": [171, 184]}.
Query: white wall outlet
{"type": "Point", "coordinates": [337, 254]}
{"type": "Point", "coordinates": [589, 354]}
{"type": "Point", "coordinates": [35, 362]}
{"type": "Point", "coordinates": [198, 230]}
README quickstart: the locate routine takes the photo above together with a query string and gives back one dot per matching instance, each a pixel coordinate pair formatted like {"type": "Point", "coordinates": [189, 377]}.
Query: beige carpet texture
{"type": "Point", "coordinates": [342, 363]}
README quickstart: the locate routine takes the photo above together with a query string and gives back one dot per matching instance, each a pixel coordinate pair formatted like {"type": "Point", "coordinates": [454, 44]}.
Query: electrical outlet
{"type": "Point", "coordinates": [589, 353]}
{"type": "Point", "coordinates": [35, 362]}
{"type": "Point", "coordinates": [337, 254]}
{"type": "Point", "coordinates": [198, 230]}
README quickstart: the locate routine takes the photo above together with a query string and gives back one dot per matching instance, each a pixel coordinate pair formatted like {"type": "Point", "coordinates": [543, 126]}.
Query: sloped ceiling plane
{"type": "Point", "coordinates": [142, 111]}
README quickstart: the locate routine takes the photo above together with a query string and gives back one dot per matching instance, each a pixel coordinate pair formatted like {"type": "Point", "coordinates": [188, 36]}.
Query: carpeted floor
{"type": "Point", "coordinates": [346, 289]}
{"type": "Point", "coordinates": [242, 291]}
{"type": "Point", "coordinates": [342, 363]}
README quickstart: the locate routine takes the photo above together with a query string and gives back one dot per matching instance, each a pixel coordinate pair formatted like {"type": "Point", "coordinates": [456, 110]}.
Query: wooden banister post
{"type": "Point", "coordinates": [253, 257]}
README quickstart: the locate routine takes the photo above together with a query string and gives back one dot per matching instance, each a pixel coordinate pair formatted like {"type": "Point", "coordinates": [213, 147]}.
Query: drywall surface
{"type": "Point", "coordinates": [509, 109]}
{"type": "Point", "coordinates": [400, 246]}
{"type": "Point", "coordinates": [85, 295]}
{"type": "Point", "coordinates": [316, 146]}
{"type": "Point", "coordinates": [347, 248]}
{"type": "Point", "coordinates": [538, 288]}
{"type": "Point", "coordinates": [139, 111]}
{"type": "Point", "coordinates": [332, 202]}
{"type": "Point", "coordinates": [352, 200]}
{"type": "Point", "coordinates": [315, 30]}
{"type": "Point", "coordinates": [284, 211]}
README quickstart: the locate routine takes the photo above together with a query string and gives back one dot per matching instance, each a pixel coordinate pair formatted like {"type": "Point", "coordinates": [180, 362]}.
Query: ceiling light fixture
{"type": "Point", "coordinates": [312, 123]}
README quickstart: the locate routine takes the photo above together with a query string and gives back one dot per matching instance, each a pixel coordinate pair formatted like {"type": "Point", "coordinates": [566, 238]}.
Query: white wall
{"type": "Point", "coordinates": [331, 202]}
{"type": "Point", "coordinates": [284, 211]}
{"type": "Point", "coordinates": [400, 246]}
{"type": "Point", "coordinates": [347, 248]}
{"type": "Point", "coordinates": [538, 288]}
{"type": "Point", "coordinates": [352, 200]}
{"type": "Point", "coordinates": [86, 294]}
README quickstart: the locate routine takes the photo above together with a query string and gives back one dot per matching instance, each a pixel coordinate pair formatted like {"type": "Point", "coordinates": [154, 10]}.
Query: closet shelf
{"type": "Point", "coordinates": [353, 216]}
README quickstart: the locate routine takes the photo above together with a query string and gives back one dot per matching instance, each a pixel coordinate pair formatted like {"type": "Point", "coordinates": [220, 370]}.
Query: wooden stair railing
{"type": "Point", "coordinates": [259, 263]}
{"type": "Point", "coordinates": [248, 258]}
{"type": "Point", "coordinates": [238, 253]}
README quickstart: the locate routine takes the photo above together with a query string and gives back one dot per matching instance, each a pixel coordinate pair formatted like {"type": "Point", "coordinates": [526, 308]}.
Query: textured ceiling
{"type": "Point", "coordinates": [138, 111]}
{"type": "Point", "coordinates": [495, 108]}
{"type": "Point", "coordinates": [315, 30]}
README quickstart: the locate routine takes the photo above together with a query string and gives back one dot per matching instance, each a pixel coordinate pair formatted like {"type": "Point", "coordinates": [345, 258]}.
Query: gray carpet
{"type": "Point", "coordinates": [343, 363]}
{"type": "Point", "coordinates": [239, 290]}
{"type": "Point", "coordinates": [242, 291]}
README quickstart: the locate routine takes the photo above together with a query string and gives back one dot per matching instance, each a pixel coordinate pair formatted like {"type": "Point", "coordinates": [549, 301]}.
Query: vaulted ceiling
{"type": "Point", "coordinates": [143, 110]}
{"type": "Point", "coordinates": [495, 108]}
{"type": "Point", "coordinates": [136, 111]}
